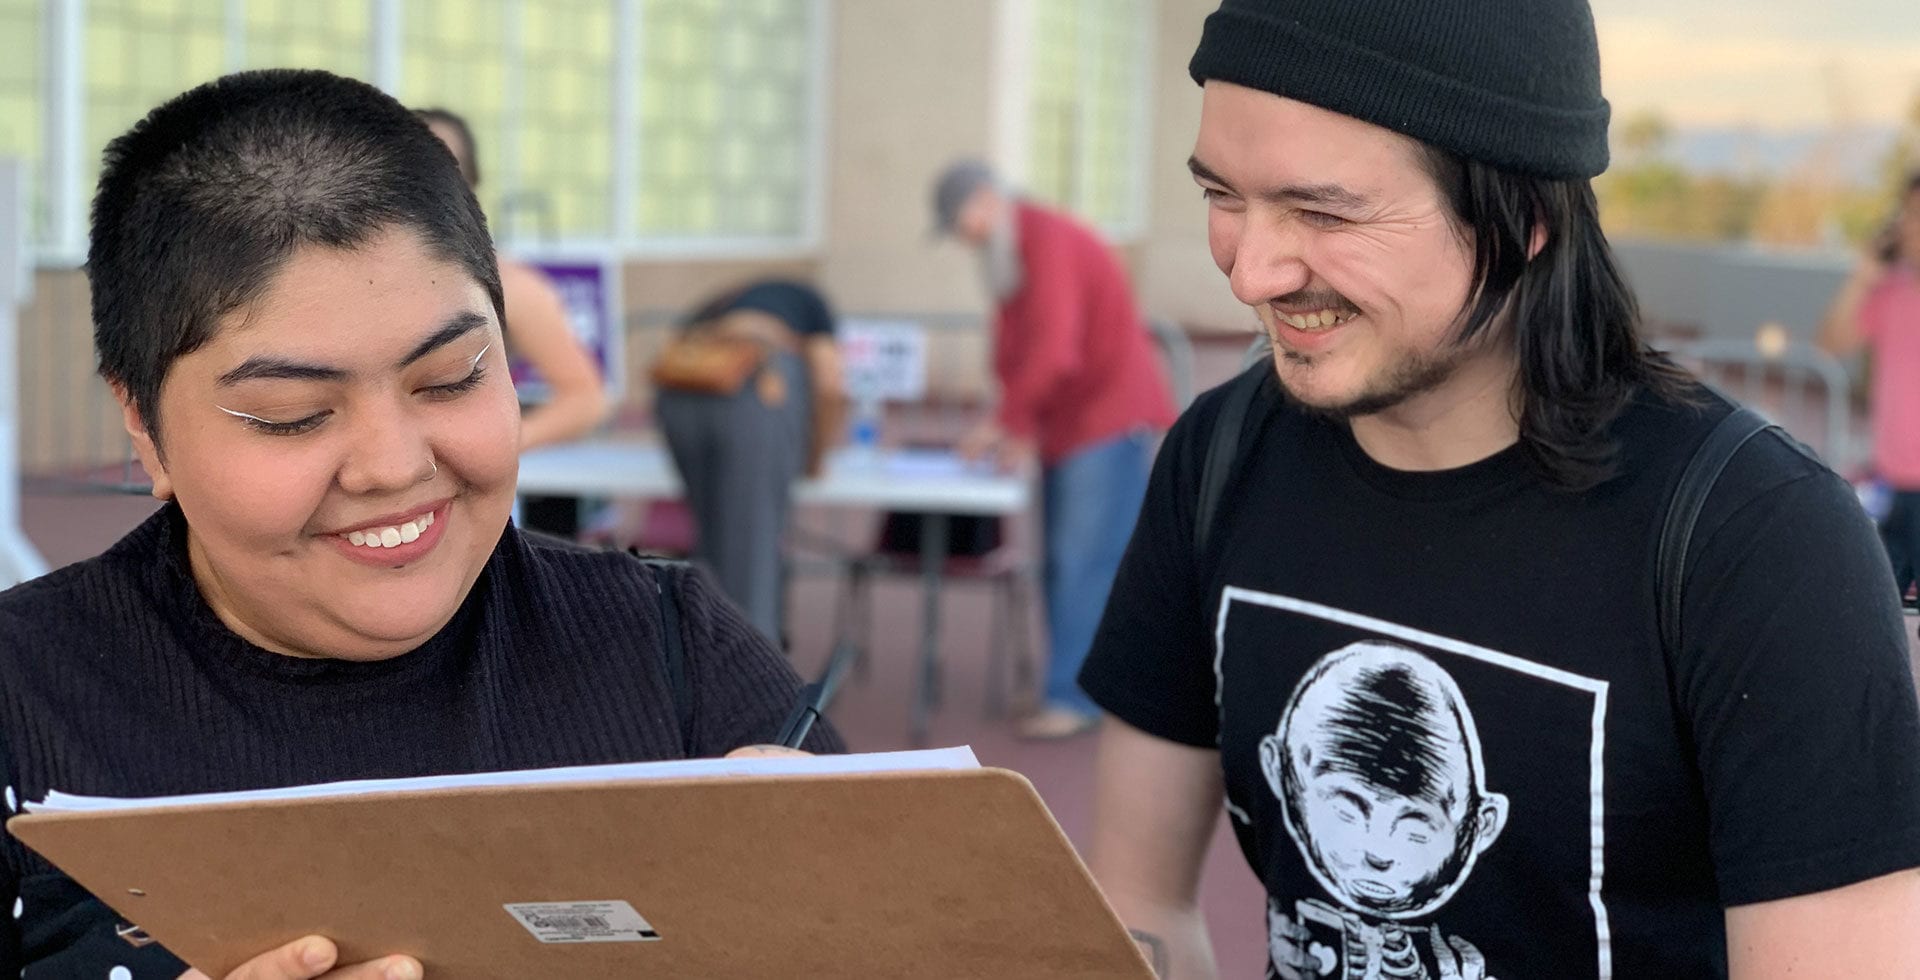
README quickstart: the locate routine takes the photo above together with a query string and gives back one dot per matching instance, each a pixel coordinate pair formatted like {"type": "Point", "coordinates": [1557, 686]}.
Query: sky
{"type": "Point", "coordinates": [1767, 64]}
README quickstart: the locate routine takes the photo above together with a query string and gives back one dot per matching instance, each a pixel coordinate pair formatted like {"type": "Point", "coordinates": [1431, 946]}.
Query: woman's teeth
{"type": "Point", "coordinates": [391, 537]}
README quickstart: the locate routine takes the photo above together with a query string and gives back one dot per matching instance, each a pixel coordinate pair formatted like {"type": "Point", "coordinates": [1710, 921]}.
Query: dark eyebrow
{"type": "Point", "coordinates": [1204, 172]}
{"type": "Point", "coordinates": [459, 325]}
{"type": "Point", "coordinates": [1325, 195]}
{"type": "Point", "coordinates": [281, 369]}
{"type": "Point", "coordinates": [275, 368]}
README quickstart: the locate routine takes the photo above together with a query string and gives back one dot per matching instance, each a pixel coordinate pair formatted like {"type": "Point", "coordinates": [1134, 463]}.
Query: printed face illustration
{"type": "Point", "coordinates": [1377, 763]}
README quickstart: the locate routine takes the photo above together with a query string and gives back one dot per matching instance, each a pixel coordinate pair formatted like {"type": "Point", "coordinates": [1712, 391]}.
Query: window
{"type": "Point", "coordinates": [455, 58]}
{"type": "Point", "coordinates": [534, 80]}
{"type": "Point", "coordinates": [565, 132]}
{"type": "Point", "coordinates": [1091, 61]}
{"type": "Point", "coordinates": [725, 118]}
{"type": "Point", "coordinates": [335, 35]}
{"type": "Point", "coordinates": [20, 119]}
{"type": "Point", "coordinates": [634, 123]}
{"type": "Point", "coordinates": [138, 53]}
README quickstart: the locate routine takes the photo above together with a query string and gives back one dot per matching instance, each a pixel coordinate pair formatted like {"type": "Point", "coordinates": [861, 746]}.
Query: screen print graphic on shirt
{"type": "Point", "coordinates": [1368, 756]}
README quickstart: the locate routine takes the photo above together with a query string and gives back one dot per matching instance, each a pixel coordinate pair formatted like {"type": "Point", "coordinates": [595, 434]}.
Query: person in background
{"type": "Point", "coordinates": [1878, 308]}
{"type": "Point", "coordinates": [295, 300]}
{"type": "Point", "coordinates": [1417, 655]}
{"type": "Point", "coordinates": [537, 333]}
{"type": "Point", "coordinates": [1081, 388]}
{"type": "Point", "coordinates": [739, 451]}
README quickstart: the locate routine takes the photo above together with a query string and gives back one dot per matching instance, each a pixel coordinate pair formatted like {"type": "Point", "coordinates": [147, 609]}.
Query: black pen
{"type": "Point", "coordinates": [813, 699]}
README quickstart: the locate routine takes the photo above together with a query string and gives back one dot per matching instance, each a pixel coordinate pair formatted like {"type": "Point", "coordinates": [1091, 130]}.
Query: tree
{"type": "Point", "coordinates": [1903, 157]}
{"type": "Point", "coordinates": [1644, 138]}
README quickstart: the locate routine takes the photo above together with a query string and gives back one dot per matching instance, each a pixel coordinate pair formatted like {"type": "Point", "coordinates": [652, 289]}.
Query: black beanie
{"type": "Point", "coordinates": [1514, 84]}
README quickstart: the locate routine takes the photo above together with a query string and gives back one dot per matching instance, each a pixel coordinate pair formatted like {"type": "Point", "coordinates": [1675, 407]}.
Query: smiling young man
{"type": "Point", "coordinates": [1421, 639]}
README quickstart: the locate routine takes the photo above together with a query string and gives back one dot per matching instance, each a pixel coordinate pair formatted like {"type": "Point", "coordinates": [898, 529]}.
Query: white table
{"type": "Point", "coordinates": [930, 481]}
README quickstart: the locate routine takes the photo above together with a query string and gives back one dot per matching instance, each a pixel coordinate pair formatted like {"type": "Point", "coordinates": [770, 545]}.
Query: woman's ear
{"type": "Point", "coordinates": [143, 444]}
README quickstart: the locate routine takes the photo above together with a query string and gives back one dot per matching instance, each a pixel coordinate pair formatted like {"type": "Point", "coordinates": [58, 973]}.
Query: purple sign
{"type": "Point", "coordinates": [589, 289]}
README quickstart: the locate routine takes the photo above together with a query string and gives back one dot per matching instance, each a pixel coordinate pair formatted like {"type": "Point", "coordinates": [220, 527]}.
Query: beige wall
{"type": "Point", "coordinates": [1177, 278]}
{"type": "Point", "coordinates": [910, 91]}
{"type": "Point", "coordinates": [67, 417]}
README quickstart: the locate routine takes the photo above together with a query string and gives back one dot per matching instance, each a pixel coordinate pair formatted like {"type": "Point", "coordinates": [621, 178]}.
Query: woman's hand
{"type": "Point", "coordinates": [313, 958]}
{"type": "Point", "coordinates": [764, 752]}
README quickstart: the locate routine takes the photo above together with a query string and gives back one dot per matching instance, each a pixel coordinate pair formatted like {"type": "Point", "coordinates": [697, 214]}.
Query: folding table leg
{"type": "Point", "coordinates": [1000, 646]}
{"type": "Point", "coordinates": [933, 558]}
{"type": "Point", "coordinates": [1025, 693]}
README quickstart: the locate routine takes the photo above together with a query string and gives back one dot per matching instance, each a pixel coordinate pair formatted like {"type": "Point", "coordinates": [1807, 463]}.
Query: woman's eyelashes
{"type": "Point", "coordinates": [295, 427]}
{"type": "Point", "coordinates": [466, 384]}
{"type": "Point", "coordinates": [273, 428]}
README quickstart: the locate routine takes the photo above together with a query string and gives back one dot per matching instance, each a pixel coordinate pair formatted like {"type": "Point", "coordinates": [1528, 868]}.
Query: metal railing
{"type": "Point", "coordinates": [1791, 383]}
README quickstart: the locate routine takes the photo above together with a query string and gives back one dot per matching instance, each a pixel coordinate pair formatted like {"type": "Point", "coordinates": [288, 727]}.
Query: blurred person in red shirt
{"type": "Point", "coordinates": [1879, 308]}
{"type": "Point", "coordinates": [1081, 390]}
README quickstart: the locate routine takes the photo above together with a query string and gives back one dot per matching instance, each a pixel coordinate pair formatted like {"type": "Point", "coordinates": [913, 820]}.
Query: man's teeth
{"type": "Point", "coordinates": [391, 537]}
{"type": "Point", "coordinates": [1314, 321]}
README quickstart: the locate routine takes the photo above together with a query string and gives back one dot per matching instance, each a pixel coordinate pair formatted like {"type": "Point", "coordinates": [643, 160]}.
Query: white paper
{"type": "Point", "coordinates": [958, 757]}
{"type": "Point", "coordinates": [927, 464]}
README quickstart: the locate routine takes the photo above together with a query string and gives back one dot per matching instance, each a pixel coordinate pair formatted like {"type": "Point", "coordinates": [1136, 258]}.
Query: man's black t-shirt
{"type": "Point", "coordinates": [1449, 731]}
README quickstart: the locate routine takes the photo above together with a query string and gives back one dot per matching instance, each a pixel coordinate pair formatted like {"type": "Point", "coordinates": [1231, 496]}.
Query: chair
{"type": "Point", "coordinates": [1176, 349]}
{"type": "Point", "coordinates": [664, 528]}
{"type": "Point", "coordinates": [977, 553]}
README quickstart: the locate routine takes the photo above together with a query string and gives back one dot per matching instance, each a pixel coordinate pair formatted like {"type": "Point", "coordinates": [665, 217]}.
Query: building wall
{"type": "Point", "coordinates": [911, 91]}
{"type": "Point", "coordinates": [68, 418]}
{"type": "Point", "coordinates": [1177, 277]}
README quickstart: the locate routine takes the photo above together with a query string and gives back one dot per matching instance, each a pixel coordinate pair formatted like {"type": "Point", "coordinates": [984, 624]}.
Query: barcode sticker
{"type": "Point", "coordinates": [583, 922]}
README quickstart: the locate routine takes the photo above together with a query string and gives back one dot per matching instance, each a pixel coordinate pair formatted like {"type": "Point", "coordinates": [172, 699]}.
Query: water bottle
{"type": "Point", "coordinates": [863, 434]}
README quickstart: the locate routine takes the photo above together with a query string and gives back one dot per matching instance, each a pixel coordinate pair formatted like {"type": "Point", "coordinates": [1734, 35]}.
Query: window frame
{"type": "Point", "coordinates": [1014, 126]}
{"type": "Point", "coordinates": [60, 239]}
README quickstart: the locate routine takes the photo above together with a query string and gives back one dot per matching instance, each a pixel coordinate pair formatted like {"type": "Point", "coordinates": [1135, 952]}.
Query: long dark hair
{"type": "Point", "coordinates": [1575, 322]}
{"type": "Point", "coordinates": [1886, 244]}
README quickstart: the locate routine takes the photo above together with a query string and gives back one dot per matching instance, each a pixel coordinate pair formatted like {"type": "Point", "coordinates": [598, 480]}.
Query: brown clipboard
{"type": "Point", "coordinates": [927, 874]}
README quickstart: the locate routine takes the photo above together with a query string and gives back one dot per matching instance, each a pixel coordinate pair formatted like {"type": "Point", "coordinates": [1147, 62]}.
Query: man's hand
{"type": "Point", "coordinates": [313, 958]}
{"type": "Point", "coordinates": [1008, 453]}
{"type": "Point", "coordinates": [980, 440]}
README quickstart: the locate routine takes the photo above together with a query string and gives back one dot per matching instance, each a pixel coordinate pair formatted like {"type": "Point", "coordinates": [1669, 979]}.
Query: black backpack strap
{"type": "Point", "coordinates": [1223, 448]}
{"type": "Point", "coordinates": [667, 577]}
{"type": "Point", "coordinates": [1683, 512]}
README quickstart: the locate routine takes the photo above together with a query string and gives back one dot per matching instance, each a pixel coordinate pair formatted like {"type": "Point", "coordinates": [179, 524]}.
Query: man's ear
{"type": "Point", "coordinates": [143, 444]}
{"type": "Point", "coordinates": [1536, 239]}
